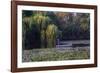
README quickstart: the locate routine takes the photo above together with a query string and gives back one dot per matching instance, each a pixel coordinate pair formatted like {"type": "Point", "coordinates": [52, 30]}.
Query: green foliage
{"type": "Point", "coordinates": [40, 21]}
{"type": "Point", "coordinates": [43, 38]}
{"type": "Point", "coordinates": [84, 24]}
{"type": "Point", "coordinates": [53, 55]}
{"type": "Point", "coordinates": [26, 23]}
{"type": "Point", "coordinates": [51, 34]}
{"type": "Point", "coordinates": [47, 31]}
{"type": "Point", "coordinates": [26, 13]}
{"type": "Point", "coordinates": [26, 26]}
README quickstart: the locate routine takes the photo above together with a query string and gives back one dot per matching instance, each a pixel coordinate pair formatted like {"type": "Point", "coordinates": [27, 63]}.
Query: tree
{"type": "Point", "coordinates": [25, 29]}
{"type": "Point", "coordinates": [26, 13]}
{"type": "Point", "coordinates": [51, 35]}
{"type": "Point", "coordinates": [41, 22]}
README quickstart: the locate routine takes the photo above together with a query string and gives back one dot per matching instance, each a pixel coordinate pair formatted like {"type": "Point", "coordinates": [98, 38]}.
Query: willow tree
{"type": "Point", "coordinates": [41, 22]}
{"type": "Point", "coordinates": [41, 32]}
{"type": "Point", "coordinates": [51, 35]}
{"type": "Point", "coordinates": [25, 29]}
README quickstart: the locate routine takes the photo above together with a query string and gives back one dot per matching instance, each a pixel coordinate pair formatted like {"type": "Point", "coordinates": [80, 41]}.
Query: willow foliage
{"type": "Point", "coordinates": [51, 34]}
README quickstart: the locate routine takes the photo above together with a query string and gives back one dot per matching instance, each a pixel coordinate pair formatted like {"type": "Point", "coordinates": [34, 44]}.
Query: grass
{"type": "Point", "coordinates": [55, 55]}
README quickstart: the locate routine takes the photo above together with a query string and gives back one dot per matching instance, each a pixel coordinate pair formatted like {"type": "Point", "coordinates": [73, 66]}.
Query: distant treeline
{"type": "Point", "coordinates": [41, 29]}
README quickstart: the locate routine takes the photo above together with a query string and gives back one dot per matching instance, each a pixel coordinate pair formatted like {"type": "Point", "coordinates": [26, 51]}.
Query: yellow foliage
{"type": "Point", "coordinates": [51, 35]}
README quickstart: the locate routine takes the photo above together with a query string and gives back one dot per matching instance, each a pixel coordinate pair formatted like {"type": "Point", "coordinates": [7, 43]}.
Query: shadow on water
{"type": "Point", "coordinates": [81, 43]}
